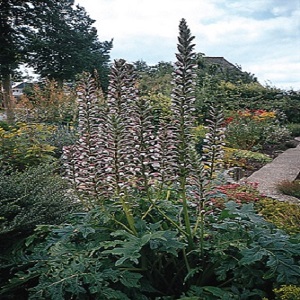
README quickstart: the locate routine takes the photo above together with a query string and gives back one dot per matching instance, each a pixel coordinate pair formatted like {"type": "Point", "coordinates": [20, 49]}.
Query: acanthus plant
{"type": "Point", "coordinates": [121, 154]}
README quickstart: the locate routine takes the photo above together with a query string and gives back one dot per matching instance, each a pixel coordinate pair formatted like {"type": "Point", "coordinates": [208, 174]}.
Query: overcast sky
{"type": "Point", "coordinates": [262, 36]}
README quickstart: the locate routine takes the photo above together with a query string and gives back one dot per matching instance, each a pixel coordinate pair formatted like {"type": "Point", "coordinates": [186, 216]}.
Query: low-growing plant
{"type": "Point", "coordinates": [4, 125]}
{"type": "Point", "coordinates": [37, 195]}
{"type": "Point", "coordinates": [284, 215]}
{"type": "Point", "coordinates": [291, 188]}
{"type": "Point", "coordinates": [94, 256]}
{"type": "Point", "coordinates": [240, 193]}
{"type": "Point", "coordinates": [244, 158]}
{"type": "Point", "coordinates": [287, 292]}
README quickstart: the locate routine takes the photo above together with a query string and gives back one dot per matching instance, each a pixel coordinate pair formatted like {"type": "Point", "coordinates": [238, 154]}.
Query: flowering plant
{"type": "Point", "coordinates": [251, 129]}
{"type": "Point", "coordinates": [241, 193]}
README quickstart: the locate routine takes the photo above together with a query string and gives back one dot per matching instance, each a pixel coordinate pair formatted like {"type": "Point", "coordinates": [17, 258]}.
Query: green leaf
{"type": "Point", "coordinates": [251, 255]}
{"type": "Point", "coordinates": [130, 279]}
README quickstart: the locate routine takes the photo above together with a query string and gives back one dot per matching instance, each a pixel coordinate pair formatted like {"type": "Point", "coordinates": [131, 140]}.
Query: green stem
{"type": "Point", "coordinates": [186, 215]}
{"type": "Point", "coordinates": [129, 215]}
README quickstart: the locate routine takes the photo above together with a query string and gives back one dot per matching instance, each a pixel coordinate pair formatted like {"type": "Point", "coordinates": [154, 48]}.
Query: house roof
{"type": "Point", "coordinates": [20, 85]}
{"type": "Point", "coordinates": [219, 60]}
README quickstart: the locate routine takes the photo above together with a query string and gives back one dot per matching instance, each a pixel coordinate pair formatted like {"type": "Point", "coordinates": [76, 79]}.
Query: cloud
{"type": "Point", "coordinates": [260, 35]}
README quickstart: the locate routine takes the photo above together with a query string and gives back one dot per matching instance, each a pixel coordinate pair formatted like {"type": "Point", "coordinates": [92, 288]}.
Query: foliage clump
{"type": "Point", "coordinates": [284, 215]}
{"type": "Point", "coordinates": [291, 188]}
{"type": "Point", "coordinates": [35, 196]}
{"type": "Point", "coordinates": [252, 129]}
{"type": "Point", "coordinates": [287, 292]}
{"type": "Point", "coordinates": [48, 103]}
{"type": "Point", "coordinates": [24, 145]}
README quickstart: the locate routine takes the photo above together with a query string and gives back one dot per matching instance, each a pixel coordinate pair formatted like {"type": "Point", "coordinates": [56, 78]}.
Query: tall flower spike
{"type": "Point", "coordinates": [183, 96]}
{"type": "Point", "coordinates": [119, 130]}
{"type": "Point", "coordinates": [80, 160]}
{"type": "Point", "coordinates": [183, 107]}
{"type": "Point", "coordinates": [213, 148]}
{"type": "Point", "coordinates": [145, 156]}
{"type": "Point", "coordinates": [166, 150]}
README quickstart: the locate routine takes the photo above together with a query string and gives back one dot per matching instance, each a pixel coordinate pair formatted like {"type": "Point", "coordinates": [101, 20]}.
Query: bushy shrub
{"type": "Point", "coordinates": [4, 125]}
{"type": "Point", "coordinates": [61, 136]}
{"type": "Point", "coordinates": [25, 145]}
{"type": "Point", "coordinates": [244, 158]}
{"type": "Point", "coordinates": [37, 195]}
{"type": "Point", "coordinates": [294, 129]}
{"type": "Point", "coordinates": [250, 130]}
{"type": "Point", "coordinates": [48, 103]}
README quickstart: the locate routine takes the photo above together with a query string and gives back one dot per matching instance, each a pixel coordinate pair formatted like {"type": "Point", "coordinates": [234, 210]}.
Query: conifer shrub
{"type": "Point", "coordinates": [34, 196]}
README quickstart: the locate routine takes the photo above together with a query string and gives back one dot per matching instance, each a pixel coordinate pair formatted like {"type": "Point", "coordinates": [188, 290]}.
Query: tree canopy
{"type": "Point", "coordinates": [67, 44]}
{"type": "Point", "coordinates": [55, 38]}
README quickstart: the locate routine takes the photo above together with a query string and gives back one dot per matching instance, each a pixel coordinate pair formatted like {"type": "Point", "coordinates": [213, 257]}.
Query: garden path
{"type": "Point", "coordinates": [285, 166]}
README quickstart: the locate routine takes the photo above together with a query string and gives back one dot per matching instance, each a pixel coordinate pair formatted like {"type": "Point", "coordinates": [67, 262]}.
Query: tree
{"type": "Point", "coordinates": [12, 40]}
{"type": "Point", "coordinates": [67, 44]}
{"type": "Point", "coordinates": [55, 38]}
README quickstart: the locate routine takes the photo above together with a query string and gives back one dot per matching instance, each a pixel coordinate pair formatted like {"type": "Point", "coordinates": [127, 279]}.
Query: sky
{"type": "Point", "coordinates": [261, 36]}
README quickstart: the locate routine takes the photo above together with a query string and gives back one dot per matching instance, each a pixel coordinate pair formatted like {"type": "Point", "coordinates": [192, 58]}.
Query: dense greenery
{"type": "Point", "coordinates": [35, 196]}
{"type": "Point", "coordinates": [223, 85]}
{"type": "Point", "coordinates": [94, 256]}
{"type": "Point", "coordinates": [67, 45]}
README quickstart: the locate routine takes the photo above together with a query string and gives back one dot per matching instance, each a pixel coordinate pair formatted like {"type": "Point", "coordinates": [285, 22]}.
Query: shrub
{"type": "Point", "coordinates": [250, 130]}
{"type": "Point", "coordinates": [25, 145]}
{"type": "Point", "coordinates": [294, 129]}
{"type": "Point", "coordinates": [35, 196]}
{"type": "Point", "coordinates": [291, 188]}
{"type": "Point", "coordinates": [284, 215]}
{"type": "Point", "coordinates": [61, 136]}
{"type": "Point", "coordinates": [4, 125]}
{"type": "Point", "coordinates": [48, 103]}
{"type": "Point", "coordinates": [244, 158]}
